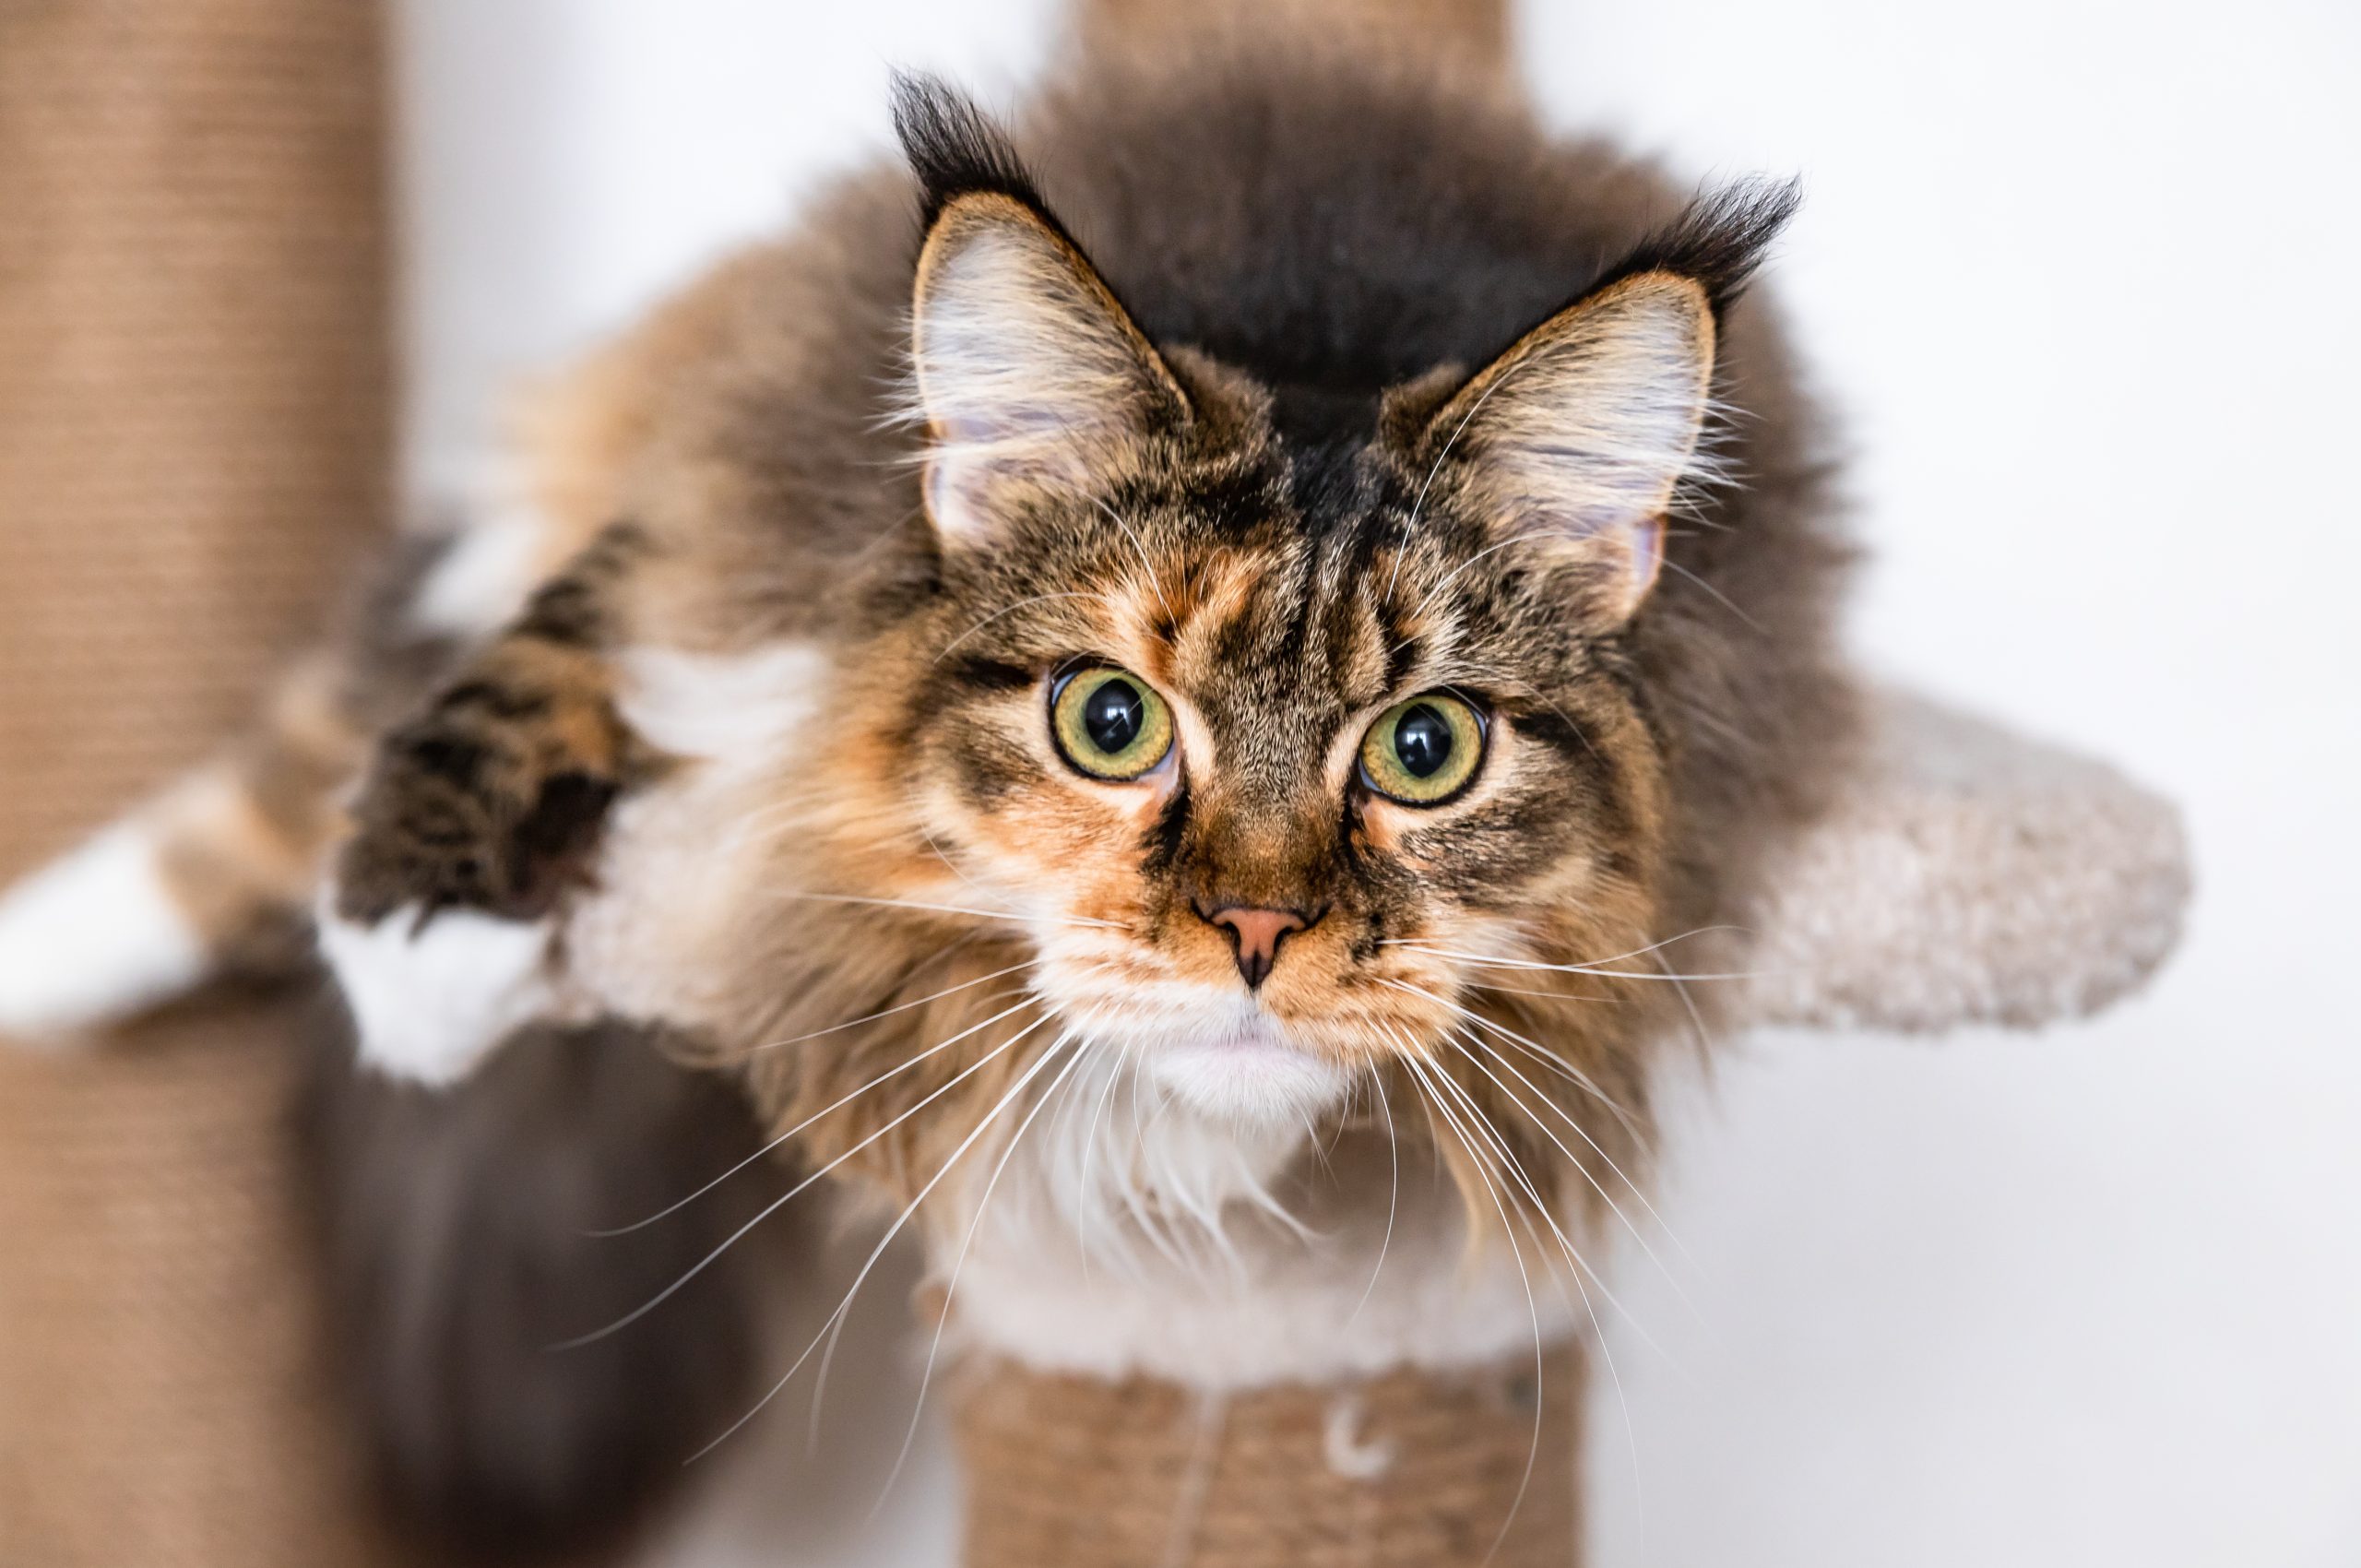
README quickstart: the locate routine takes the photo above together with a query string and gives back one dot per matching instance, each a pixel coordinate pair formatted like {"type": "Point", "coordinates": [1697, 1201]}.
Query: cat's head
{"type": "Point", "coordinates": [1289, 720]}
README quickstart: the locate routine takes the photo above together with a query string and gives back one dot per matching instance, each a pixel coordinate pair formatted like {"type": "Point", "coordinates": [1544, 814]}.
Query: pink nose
{"type": "Point", "coordinates": [1256, 935]}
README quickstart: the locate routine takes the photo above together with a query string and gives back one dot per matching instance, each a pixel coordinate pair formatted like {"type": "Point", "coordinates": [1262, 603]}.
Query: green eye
{"type": "Point", "coordinates": [1109, 723]}
{"type": "Point", "coordinates": [1424, 751]}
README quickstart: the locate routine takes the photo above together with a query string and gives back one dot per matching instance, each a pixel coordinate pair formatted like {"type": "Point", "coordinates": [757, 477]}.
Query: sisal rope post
{"type": "Point", "coordinates": [1410, 1470]}
{"type": "Point", "coordinates": [194, 433]}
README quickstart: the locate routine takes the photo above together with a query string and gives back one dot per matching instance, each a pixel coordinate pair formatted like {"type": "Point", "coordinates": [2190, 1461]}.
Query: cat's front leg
{"type": "Point", "coordinates": [481, 817]}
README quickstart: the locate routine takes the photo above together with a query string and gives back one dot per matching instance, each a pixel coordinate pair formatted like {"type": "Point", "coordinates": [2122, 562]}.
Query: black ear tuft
{"type": "Point", "coordinates": [954, 147]}
{"type": "Point", "coordinates": [1719, 241]}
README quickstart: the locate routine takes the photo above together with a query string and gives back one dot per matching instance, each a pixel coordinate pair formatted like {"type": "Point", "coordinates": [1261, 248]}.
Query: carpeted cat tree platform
{"type": "Point", "coordinates": [193, 418]}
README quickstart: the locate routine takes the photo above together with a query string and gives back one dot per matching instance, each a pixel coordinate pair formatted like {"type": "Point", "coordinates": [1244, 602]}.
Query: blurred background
{"type": "Point", "coordinates": [2072, 274]}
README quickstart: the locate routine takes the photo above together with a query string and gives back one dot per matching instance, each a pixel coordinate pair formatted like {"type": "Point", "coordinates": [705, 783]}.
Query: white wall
{"type": "Point", "coordinates": [2076, 272]}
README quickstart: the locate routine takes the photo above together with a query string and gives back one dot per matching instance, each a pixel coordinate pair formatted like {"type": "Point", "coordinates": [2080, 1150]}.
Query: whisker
{"type": "Point", "coordinates": [1482, 960]}
{"type": "Point", "coordinates": [889, 1011]}
{"type": "Point", "coordinates": [826, 1329]}
{"type": "Point", "coordinates": [1544, 995]}
{"type": "Point", "coordinates": [943, 909]}
{"type": "Point", "coordinates": [810, 1121]}
{"type": "Point", "coordinates": [1689, 1005]}
{"type": "Point", "coordinates": [1566, 1069]}
{"type": "Point", "coordinates": [1525, 1183]}
{"type": "Point", "coordinates": [1596, 1185]}
{"type": "Point", "coordinates": [950, 1290]}
{"type": "Point", "coordinates": [1657, 946]}
{"type": "Point", "coordinates": [1154, 580]}
{"type": "Point", "coordinates": [1005, 610]}
{"type": "Point", "coordinates": [1598, 1330]}
{"type": "Point", "coordinates": [1393, 1199]}
{"type": "Point", "coordinates": [928, 834]}
{"type": "Point", "coordinates": [1085, 1205]}
{"type": "Point", "coordinates": [1493, 548]}
{"type": "Point", "coordinates": [740, 1234]}
{"type": "Point", "coordinates": [1540, 1362]}
{"type": "Point", "coordinates": [1411, 528]}
{"type": "Point", "coordinates": [1718, 596]}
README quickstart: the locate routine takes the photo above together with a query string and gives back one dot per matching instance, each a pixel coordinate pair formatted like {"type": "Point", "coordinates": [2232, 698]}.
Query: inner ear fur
{"type": "Point", "coordinates": [1027, 367]}
{"type": "Point", "coordinates": [1578, 436]}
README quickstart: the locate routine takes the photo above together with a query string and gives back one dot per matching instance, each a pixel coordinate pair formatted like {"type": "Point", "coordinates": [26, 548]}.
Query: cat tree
{"type": "Point", "coordinates": [192, 432]}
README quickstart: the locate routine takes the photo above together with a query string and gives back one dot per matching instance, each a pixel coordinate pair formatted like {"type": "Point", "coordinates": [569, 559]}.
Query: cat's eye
{"type": "Point", "coordinates": [1108, 722]}
{"type": "Point", "coordinates": [1424, 751]}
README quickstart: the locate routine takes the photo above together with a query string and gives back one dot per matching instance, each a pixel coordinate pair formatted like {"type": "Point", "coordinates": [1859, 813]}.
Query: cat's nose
{"type": "Point", "coordinates": [1255, 935]}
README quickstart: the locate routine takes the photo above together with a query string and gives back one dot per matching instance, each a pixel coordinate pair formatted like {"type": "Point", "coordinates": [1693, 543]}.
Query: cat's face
{"type": "Point", "coordinates": [1284, 734]}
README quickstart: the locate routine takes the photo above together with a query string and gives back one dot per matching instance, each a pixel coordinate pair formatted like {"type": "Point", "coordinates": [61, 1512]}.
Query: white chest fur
{"type": "Point", "coordinates": [1128, 1233]}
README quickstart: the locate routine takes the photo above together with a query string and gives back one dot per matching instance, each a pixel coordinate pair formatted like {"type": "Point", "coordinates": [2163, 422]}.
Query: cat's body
{"type": "Point", "coordinates": [1318, 404]}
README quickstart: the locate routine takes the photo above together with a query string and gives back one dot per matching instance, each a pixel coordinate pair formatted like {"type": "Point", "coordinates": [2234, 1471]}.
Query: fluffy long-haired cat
{"type": "Point", "coordinates": [1129, 679]}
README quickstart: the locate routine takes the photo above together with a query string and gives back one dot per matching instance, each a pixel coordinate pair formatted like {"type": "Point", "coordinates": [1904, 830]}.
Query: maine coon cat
{"type": "Point", "coordinates": [1252, 629]}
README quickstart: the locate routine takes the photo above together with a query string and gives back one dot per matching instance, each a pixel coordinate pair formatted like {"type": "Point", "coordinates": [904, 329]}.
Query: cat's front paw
{"type": "Point", "coordinates": [441, 917]}
{"type": "Point", "coordinates": [457, 818]}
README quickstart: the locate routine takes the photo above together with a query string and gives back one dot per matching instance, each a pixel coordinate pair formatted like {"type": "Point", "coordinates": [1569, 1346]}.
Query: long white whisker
{"type": "Point", "coordinates": [950, 1290]}
{"type": "Point", "coordinates": [1641, 951]}
{"type": "Point", "coordinates": [1580, 1080]}
{"type": "Point", "coordinates": [1540, 1361]}
{"type": "Point", "coordinates": [1515, 1169]}
{"type": "Point", "coordinates": [942, 908]}
{"type": "Point", "coordinates": [808, 1121]}
{"type": "Point", "coordinates": [1086, 1202]}
{"type": "Point", "coordinates": [740, 1234]}
{"type": "Point", "coordinates": [1598, 1330]}
{"type": "Point", "coordinates": [889, 1011]}
{"type": "Point", "coordinates": [826, 1328]}
{"type": "Point", "coordinates": [1572, 1073]}
{"type": "Point", "coordinates": [1572, 1158]}
{"type": "Point", "coordinates": [1393, 1199]}
{"type": "Point", "coordinates": [1485, 961]}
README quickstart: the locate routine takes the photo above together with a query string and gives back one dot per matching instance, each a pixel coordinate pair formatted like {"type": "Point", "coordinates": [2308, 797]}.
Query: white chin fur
{"type": "Point", "coordinates": [93, 937]}
{"type": "Point", "coordinates": [1256, 1084]}
{"type": "Point", "coordinates": [428, 1003]}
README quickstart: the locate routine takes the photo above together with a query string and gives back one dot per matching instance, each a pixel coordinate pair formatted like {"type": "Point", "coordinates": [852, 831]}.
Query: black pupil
{"type": "Point", "coordinates": [1422, 742]}
{"type": "Point", "coordinates": [1113, 716]}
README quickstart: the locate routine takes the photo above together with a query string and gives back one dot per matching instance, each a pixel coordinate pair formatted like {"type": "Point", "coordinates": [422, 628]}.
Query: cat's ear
{"type": "Point", "coordinates": [1580, 434]}
{"type": "Point", "coordinates": [1029, 372]}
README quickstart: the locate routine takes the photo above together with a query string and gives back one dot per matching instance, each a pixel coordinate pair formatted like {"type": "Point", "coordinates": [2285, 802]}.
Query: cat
{"type": "Point", "coordinates": [1270, 613]}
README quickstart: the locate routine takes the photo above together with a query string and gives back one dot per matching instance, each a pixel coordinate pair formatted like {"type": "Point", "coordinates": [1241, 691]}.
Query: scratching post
{"type": "Point", "coordinates": [1411, 1469]}
{"type": "Point", "coordinates": [193, 436]}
